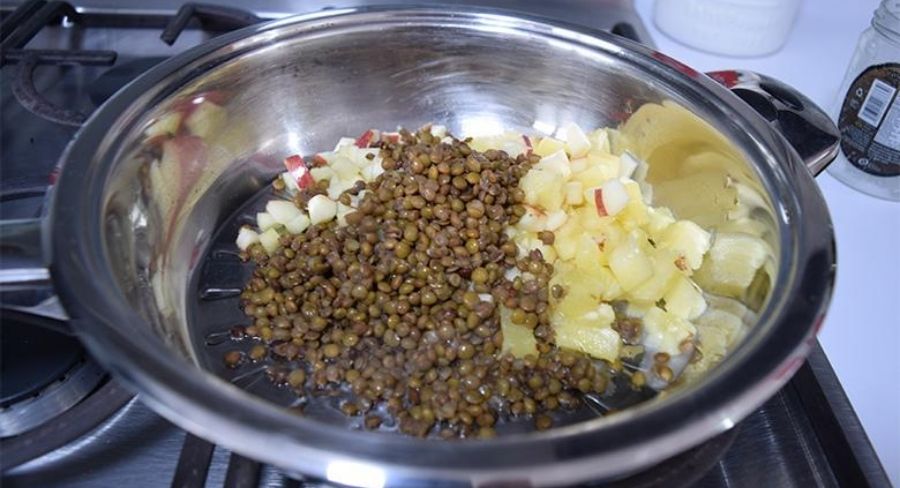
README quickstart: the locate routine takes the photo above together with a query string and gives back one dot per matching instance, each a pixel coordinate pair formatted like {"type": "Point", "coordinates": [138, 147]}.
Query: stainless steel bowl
{"type": "Point", "coordinates": [126, 232]}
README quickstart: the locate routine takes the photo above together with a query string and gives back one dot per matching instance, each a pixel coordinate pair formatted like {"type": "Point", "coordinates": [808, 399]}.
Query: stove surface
{"type": "Point", "coordinates": [807, 435]}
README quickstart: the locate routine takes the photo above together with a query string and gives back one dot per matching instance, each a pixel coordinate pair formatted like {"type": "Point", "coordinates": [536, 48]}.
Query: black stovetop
{"type": "Point", "coordinates": [63, 422]}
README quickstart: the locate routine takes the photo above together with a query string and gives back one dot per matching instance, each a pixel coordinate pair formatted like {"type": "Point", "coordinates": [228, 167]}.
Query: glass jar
{"type": "Point", "coordinates": [868, 109]}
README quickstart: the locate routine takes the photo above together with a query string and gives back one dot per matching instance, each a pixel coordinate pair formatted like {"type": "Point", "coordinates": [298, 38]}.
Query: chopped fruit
{"type": "Point", "coordinates": [534, 220]}
{"type": "Point", "coordinates": [731, 263]}
{"type": "Point", "coordinates": [599, 141]}
{"type": "Point", "coordinates": [590, 333]}
{"type": "Point", "coordinates": [630, 265]}
{"type": "Point", "coordinates": [544, 189]}
{"type": "Point", "coordinates": [666, 332]}
{"type": "Point", "coordinates": [320, 173]}
{"type": "Point", "coordinates": [556, 219]}
{"type": "Point", "coordinates": [557, 163]}
{"type": "Point", "coordinates": [299, 175]}
{"type": "Point", "coordinates": [298, 224]}
{"type": "Point", "coordinates": [577, 142]}
{"type": "Point", "coordinates": [664, 275]}
{"type": "Point", "coordinates": [366, 138]}
{"type": "Point", "coordinates": [611, 198]}
{"type": "Point", "coordinates": [282, 211]}
{"type": "Point", "coordinates": [270, 240]}
{"type": "Point", "coordinates": [342, 211]}
{"type": "Point", "coordinates": [265, 221]}
{"type": "Point", "coordinates": [518, 340]}
{"type": "Point", "coordinates": [246, 237]}
{"type": "Point", "coordinates": [321, 209]}
{"type": "Point", "coordinates": [319, 160]}
{"type": "Point", "coordinates": [684, 299]}
{"type": "Point", "coordinates": [578, 165]}
{"type": "Point", "coordinates": [548, 146]}
{"type": "Point", "coordinates": [687, 239]}
{"type": "Point", "coordinates": [628, 163]}
{"type": "Point", "coordinates": [574, 193]}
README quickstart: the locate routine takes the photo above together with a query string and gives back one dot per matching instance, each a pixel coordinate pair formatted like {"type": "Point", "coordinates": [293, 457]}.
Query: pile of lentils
{"type": "Point", "coordinates": [399, 309]}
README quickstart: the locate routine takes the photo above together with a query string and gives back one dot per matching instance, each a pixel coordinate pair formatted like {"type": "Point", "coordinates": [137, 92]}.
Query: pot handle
{"type": "Point", "coordinates": [23, 270]}
{"type": "Point", "coordinates": [805, 126]}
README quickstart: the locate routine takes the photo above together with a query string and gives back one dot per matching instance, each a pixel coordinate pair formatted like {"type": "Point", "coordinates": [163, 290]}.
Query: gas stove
{"type": "Point", "coordinates": [65, 422]}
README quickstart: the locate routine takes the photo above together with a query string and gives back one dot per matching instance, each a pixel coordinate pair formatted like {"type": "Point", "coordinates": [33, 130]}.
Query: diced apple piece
{"type": "Point", "coordinates": [168, 124]}
{"type": "Point", "coordinates": [321, 209]}
{"type": "Point", "coordinates": [345, 169]}
{"type": "Point", "coordinates": [599, 141]}
{"type": "Point", "coordinates": [336, 186]}
{"type": "Point", "coordinates": [597, 173]}
{"type": "Point", "coordinates": [342, 211]}
{"type": "Point", "coordinates": [206, 119]}
{"type": "Point", "coordinates": [658, 220]}
{"type": "Point", "coordinates": [556, 219]}
{"type": "Point", "coordinates": [684, 299]}
{"type": "Point", "coordinates": [246, 237]}
{"type": "Point", "coordinates": [298, 224]}
{"type": "Point", "coordinates": [611, 198]}
{"type": "Point", "coordinates": [320, 173]}
{"type": "Point", "coordinates": [372, 172]}
{"type": "Point", "coordinates": [549, 145]}
{"type": "Point", "coordinates": [367, 138]}
{"type": "Point", "coordinates": [265, 221]}
{"type": "Point", "coordinates": [587, 254]}
{"type": "Point", "coordinates": [687, 239]}
{"type": "Point", "coordinates": [533, 220]}
{"type": "Point", "coordinates": [630, 265]}
{"type": "Point", "coordinates": [282, 211]}
{"type": "Point", "coordinates": [574, 193]}
{"type": "Point", "coordinates": [557, 163]}
{"type": "Point", "coordinates": [270, 241]}
{"type": "Point", "coordinates": [628, 163]}
{"type": "Point", "coordinates": [518, 340]}
{"type": "Point", "coordinates": [634, 215]}
{"type": "Point", "coordinates": [731, 263]}
{"type": "Point", "coordinates": [577, 142]}
{"type": "Point", "coordinates": [578, 165]}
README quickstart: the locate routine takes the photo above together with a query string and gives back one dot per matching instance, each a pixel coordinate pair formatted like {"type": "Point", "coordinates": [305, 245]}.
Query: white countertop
{"type": "Point", "coordinates": [861, 336]}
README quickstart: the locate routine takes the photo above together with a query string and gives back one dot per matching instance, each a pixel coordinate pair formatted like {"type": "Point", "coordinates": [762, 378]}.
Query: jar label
{"type": "Point", "coordinates": [870, 121]}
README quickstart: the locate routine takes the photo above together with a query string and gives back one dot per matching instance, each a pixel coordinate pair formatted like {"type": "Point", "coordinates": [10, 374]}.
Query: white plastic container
{"type": "Point", "coordinates": [730, 27]}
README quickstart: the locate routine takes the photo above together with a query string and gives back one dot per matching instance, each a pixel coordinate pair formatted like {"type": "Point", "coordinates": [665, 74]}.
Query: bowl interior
{"type": "Point", "coordinates": [212, 133]}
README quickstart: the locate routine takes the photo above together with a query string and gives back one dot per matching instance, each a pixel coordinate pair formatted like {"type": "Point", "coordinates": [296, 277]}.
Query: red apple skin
{"type": "Point", "coordinates": [365, 138]}
{"type": "Point", "coordinates": [294, 162]}
{"type": "Point", "coordinates": [527, 145]}
{"type": "Point", "coordinates": [319, 161]}
{"type": "Point", "coordinates": [598, 202]}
